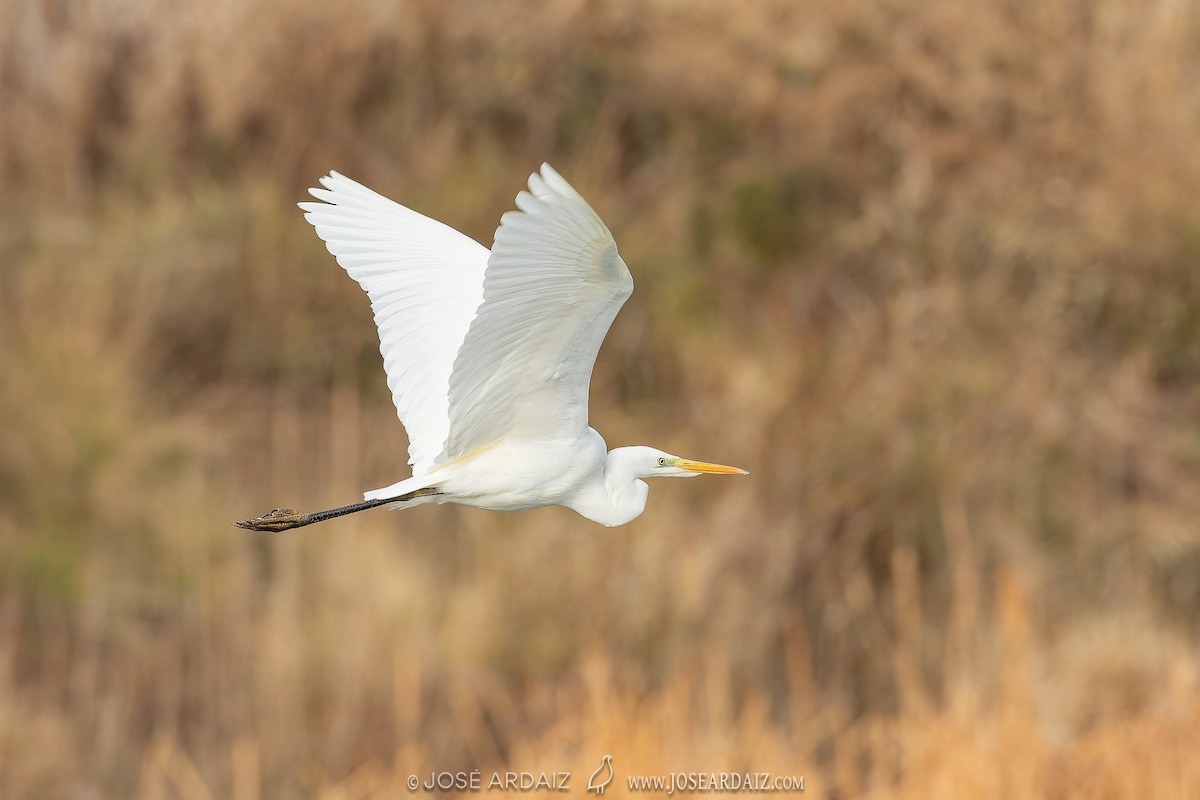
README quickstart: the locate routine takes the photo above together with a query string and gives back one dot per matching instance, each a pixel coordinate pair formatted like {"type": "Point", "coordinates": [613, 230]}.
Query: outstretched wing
{"type": "Point", "coordinates": [425, 281]}
{"type": "Point", "coordinates": [553, 285]}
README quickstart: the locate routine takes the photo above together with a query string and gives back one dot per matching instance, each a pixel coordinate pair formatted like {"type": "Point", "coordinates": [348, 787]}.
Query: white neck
{"type": "Point", "coordinates": [615, 498]}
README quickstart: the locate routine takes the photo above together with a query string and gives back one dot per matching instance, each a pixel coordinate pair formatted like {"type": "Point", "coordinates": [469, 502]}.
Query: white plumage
{"type": "Point", "coordinates": [425, 281]}
{"type": "Point", "coordinates": [554, 283]}
{"type": "Point", "coordinates": [489, 355]}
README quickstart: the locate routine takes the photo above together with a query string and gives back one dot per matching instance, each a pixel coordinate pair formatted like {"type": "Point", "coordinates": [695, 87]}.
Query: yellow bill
{"type": "Point", "coordinates": [714, 469]}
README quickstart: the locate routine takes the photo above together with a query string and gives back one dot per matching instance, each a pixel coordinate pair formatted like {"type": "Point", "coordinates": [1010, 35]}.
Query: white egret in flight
{"type": "Point", "coordinates": [489, 354]}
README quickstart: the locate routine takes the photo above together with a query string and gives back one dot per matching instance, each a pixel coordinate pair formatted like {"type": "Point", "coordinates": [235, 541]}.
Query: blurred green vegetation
{"type": "Point", "coordinates": [928, 271]}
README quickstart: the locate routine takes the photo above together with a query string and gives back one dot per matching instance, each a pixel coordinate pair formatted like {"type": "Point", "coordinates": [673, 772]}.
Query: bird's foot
{"type": "Point", "coordinates": [276, 520]}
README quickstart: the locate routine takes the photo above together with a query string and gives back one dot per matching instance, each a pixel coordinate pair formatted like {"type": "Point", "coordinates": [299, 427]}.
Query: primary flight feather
{"type": "Point", "coordinates": [489, 355]}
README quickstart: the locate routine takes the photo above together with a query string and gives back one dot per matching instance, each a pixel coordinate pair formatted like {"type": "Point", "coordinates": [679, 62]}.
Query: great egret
{"type": "Point", "coordinates": [489, 354]}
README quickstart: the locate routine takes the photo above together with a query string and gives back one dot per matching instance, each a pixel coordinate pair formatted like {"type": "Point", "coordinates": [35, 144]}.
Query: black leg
{"type": "Point", "coordinates": [284, 519]}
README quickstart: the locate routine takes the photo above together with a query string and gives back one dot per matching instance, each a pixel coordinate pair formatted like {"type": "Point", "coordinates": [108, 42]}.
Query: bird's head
{"type": "Point", "coordinates": [646, 462]}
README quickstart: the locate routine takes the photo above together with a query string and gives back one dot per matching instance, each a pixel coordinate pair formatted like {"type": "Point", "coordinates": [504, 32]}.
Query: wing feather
{"type": "Point", "coordinates": [553, 285]}
{"type": "Point", "coordinates": [425, 281]}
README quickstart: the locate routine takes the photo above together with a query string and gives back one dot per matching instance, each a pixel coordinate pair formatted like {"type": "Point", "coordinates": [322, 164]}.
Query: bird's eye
{"type": "Point", "coordinates": [662, 462]}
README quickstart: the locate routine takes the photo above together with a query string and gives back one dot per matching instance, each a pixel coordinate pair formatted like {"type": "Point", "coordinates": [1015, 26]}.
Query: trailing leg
{"type": "Point", "coordinates": [284, 519]}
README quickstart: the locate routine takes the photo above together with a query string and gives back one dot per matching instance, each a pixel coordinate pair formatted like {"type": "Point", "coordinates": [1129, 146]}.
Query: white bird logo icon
{"type": "Point", "coordinates": [598, 784]}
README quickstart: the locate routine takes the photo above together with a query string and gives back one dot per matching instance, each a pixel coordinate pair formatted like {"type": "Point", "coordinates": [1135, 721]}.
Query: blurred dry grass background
{"type": "Point", "coordinates": [929, 270]}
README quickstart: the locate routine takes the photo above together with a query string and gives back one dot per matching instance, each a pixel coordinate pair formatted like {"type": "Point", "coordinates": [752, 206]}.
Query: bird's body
{"type": "Point", "coordinates": [519, 476]}
{"type": "Point", "coordinates": [489, 354]}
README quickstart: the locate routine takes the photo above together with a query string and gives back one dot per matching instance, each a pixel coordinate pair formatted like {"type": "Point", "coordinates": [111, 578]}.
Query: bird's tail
{"type": "Point", "coordinates": [408, 492]}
